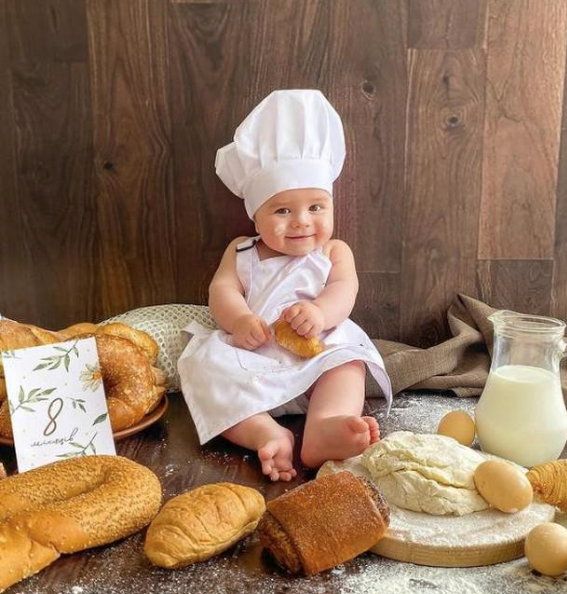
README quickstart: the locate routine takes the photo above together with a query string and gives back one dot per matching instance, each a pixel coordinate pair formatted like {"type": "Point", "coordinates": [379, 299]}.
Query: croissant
{"type": "Point", "coordinates": [202, 523]}
{"type": "Point", "coordinates": [289, 339]}
{"type": "Point", "coordinates": [324, 522]}
{"type": "Point", "coordinates": [549, 481]}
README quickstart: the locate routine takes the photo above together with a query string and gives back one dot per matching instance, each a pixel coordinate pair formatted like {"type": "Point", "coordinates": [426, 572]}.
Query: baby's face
{"type": "Point", "coordinates": [296, 222]}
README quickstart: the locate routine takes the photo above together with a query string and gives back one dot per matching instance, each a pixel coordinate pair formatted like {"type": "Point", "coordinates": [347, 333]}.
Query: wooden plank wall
{"type": "Point", "coordinates": [111, 114]}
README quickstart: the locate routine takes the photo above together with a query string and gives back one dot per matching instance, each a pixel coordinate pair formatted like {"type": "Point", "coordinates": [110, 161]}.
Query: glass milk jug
{"type": "Point", "coordinates": [521, 414]}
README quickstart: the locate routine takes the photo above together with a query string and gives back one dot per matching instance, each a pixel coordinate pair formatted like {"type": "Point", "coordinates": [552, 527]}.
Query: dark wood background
{"type": "Point", "coordinates": [111, 113]}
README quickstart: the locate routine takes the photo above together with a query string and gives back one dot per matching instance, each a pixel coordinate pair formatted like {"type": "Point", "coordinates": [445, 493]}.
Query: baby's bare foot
{"type": "Point", "coordinates": [276, 457]}
{"type": "Point", "coordinates": [338, 438]}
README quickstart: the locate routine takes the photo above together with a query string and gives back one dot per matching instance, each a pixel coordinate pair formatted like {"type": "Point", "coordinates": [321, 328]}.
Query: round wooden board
{"type": "Point", "coordinates": [151, 418]}
{"type": "Point", "coordinates": [481, 538]}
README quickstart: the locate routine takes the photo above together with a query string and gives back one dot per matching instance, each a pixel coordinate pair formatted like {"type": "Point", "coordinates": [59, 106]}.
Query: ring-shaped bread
{"type": "Point", "coordinates": [70, 506]}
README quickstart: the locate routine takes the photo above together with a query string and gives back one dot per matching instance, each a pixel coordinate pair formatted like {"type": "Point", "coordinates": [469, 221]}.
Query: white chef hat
{"type": "Point", "coordinates": [292, 139]}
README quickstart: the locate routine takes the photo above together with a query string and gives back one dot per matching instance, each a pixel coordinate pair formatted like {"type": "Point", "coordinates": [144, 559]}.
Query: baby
{"type": "Point", "coordinates": [283, 161]}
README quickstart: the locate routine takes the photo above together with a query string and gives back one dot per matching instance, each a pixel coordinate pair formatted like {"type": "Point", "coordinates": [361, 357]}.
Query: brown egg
{"type": "Point", "coordinates": [458, 425]}
{"type": "Point", "coordinates": [546, 549]}
{"type": "Point", "coordinates": [504, 486]}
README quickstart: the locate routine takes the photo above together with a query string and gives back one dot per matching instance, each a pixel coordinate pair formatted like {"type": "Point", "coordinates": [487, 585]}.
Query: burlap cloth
{"type": "Point", "coordinates": [460, 364]}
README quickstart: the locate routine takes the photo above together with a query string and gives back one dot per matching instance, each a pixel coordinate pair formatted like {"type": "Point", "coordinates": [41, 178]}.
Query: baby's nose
{"type": "Point", "coordinates": [301, 220]}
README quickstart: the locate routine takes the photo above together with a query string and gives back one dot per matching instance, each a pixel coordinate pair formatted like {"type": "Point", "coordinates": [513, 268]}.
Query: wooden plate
{"type": "Point", "coordinates": [151, 418]}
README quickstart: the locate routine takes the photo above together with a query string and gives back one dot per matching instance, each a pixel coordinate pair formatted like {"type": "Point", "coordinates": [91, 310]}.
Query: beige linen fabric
{"type": "Point", "coordinates": [460, 364]}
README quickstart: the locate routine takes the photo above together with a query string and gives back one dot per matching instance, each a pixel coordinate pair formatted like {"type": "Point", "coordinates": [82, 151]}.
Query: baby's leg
{"type": "Point", "coordinates": [273, 443]}
{"type": "Point", "coordinates": [334, 428]}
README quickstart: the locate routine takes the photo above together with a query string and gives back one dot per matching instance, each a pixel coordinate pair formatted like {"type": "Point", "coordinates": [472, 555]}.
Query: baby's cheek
{"type": "Point", "coordinates": [279, 230]}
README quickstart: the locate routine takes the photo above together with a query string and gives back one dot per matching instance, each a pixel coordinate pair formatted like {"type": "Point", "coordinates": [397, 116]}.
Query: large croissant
{"type": "Point", "coordinates": [549, 481]}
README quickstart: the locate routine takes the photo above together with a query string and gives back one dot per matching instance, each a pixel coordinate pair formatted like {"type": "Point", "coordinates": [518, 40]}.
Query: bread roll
{"type": "Point", "coordinates": [133, 388]}
{"type": "Point", "coordinates": [324, 522]}
{"type": "Point", "coordinates": [202, 523]}
{"type": "Point", "coordinates": [289, 339]}
{"type": "Point", "coordinates": [70, 506]}
{"type": "Point", "coordinates": [140, 338]}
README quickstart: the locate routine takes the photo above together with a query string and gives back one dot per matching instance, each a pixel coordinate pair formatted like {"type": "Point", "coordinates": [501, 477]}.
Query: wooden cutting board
{"type": "Point", "coordinates": [481, 538]}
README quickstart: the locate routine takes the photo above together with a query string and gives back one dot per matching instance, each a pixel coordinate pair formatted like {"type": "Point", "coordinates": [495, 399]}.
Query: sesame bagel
{"type": "Point", "coordinates": [70, 506]}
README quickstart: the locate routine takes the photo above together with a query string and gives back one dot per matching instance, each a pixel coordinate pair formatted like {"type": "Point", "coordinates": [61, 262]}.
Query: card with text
{"type": "Point", "coordinates": [57, 402]}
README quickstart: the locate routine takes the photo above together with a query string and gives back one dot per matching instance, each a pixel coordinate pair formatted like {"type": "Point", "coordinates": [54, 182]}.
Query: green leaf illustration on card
{"type": "Point", "coordinates": [34, 396]}
{"type": "Point", "coordinates": [81, 449]}
{"type": "Point", "coordinates": [54, 361]}
{"type": "Point", "coordinates": [9, 355]}
{"type": "Point", "coordinates": [77, 403]}
{"type": "Point", "coordinates": [100, 419]}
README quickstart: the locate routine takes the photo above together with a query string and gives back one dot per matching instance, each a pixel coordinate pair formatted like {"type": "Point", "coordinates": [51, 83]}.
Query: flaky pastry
{"type": "Point", "coordinates": [289, 339]}
{"type": "Point", "coordinates": [201, 523]}
{"type": "Point", "coordinates": [549, 481]}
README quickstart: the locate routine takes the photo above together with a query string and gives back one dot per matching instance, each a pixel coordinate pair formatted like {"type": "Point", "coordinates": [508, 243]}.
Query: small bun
{"type": "Point", "coordinates": [140, 338]}
{"type": "Point", "coordinates": [289, 339]}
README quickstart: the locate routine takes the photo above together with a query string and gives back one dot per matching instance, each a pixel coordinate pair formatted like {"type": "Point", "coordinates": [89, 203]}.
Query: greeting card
{"type": "Point", "coordinates": [57, 402]}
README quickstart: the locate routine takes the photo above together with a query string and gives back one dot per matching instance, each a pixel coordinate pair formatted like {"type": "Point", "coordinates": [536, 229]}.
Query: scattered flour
{"type": "Point", "coordinates": [122, 569]}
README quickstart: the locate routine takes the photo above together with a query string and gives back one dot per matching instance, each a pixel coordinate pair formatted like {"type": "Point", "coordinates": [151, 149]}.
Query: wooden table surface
{"type": "Point", "coordinates": [171, 449]}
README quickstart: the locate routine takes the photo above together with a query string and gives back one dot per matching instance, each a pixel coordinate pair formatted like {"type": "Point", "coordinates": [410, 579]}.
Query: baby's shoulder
{"type": "Point", "coordinates": [236, 242]}
{"type": "Point", "coordinates": [335, 248]}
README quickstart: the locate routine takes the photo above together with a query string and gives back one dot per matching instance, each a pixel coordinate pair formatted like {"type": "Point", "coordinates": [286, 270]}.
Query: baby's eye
{"type": "Point", "coordinates": [283, 211]}
{"type": "Point", "coordinates": [315, 207]}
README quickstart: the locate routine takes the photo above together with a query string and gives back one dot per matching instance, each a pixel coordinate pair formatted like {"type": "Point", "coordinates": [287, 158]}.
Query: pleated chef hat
{"type": "Point", "coordinates": [292, 139]}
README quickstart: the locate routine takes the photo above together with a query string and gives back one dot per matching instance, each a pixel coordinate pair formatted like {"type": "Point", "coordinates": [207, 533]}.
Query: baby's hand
{"type": "Point", "coordinates": [250, 332]}
{"type": "Point", "coordinates": [305, 318]}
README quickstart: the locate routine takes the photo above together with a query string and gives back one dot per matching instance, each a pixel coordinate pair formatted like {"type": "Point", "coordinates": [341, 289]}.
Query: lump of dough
{"type": "Point", "coordinates": [425, 473]}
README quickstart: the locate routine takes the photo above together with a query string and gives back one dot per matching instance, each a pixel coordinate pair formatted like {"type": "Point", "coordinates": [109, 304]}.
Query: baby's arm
{"type": "Point", "coordinates": [228, 306]}
{"type": "Point", "coordinates": [335, 303]}
{"type": "Point", "coordinates": [339, 295]}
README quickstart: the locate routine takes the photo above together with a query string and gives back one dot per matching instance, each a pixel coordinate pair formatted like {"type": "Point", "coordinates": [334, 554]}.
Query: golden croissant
{"type": "Point", "coordinates": [289, 339]}
{"type": "Point", "coordinates": [549, 481]}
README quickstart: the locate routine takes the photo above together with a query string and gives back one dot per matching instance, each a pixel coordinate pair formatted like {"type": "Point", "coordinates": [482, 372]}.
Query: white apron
{"type": "Point", "coordinates": [224, 384]}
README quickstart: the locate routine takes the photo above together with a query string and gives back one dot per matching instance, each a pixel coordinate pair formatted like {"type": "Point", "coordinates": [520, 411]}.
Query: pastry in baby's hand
{"type": "Point", "coordinates": [289, 339]}
{"type": "Point", "coordinates": [202, 523]}
{"type": "Point", "coordinates": [324, 523]}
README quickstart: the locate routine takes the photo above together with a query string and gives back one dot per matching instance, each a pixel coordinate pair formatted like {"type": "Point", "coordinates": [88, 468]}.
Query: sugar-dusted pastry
{"type": "Point", "coordinates": [324, 522]}
{"type": "Point", "coordinates": [201, 523]}
{"type": "Point", "coordinates": [289, 339]}
{"type": "Point", "coordinates": [549, 481]}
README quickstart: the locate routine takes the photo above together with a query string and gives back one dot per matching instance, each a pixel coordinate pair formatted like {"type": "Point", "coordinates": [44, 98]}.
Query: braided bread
{"type": "Point", "coordinates": [70, 506]}
{"type": "Point", "coordinates": [549, 481]}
